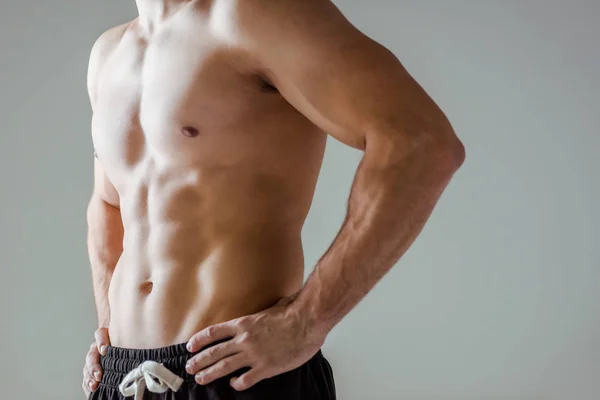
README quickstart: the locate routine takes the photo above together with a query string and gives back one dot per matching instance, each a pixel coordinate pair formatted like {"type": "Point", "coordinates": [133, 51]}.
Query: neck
{"type": "Point", "coordinates": [152, 12]}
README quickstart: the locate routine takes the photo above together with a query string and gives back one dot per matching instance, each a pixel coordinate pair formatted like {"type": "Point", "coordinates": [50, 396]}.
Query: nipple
{"type": "Point", "coordinates": [189, 131]}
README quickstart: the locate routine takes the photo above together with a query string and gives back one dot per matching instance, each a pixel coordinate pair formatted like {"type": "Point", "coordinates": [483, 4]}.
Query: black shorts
{"type": "Point", "coordinates": [311, 381]}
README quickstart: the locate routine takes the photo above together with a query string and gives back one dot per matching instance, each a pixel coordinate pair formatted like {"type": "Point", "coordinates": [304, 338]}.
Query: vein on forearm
{"type": "Point", "coordinates": [389, 203]}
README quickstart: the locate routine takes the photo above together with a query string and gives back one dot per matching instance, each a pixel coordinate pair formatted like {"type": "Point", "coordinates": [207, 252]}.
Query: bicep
{"type": "Point", "coordinates": [345, 82]}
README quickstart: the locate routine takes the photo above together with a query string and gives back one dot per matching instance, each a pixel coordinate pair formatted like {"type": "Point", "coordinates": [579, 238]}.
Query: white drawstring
{"type": "Point", "coordinates": [156, 377]}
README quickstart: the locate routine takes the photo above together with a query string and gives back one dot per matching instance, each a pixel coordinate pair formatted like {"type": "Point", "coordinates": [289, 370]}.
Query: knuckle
{"type": "Point", "coordinates": [245, 338]}
{"type": "Point", "coordinates": [202, 377]}
{"type": "Point", "coordinates": [89, 360]}
{"type": "Point", "coordinates": [241, 322]}
{"type": "Point", "coordinates": [101, 336]}
{"type": "Point", "coordinates": [212, 352]}
{"type": "Point", "coordinates": [210, 332]}
{"type": "Point", "coordinates": [224, 365]}
{"type": "Point", "coordinates": [244, 381]}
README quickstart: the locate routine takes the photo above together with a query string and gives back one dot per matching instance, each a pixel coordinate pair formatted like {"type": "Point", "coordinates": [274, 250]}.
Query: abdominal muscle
{"type": "Point", "coordinates": [190, 261]}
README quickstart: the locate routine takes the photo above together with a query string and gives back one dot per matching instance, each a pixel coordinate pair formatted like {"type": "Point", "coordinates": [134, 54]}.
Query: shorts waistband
{"type": "Point", "coordinates": [118, 361]}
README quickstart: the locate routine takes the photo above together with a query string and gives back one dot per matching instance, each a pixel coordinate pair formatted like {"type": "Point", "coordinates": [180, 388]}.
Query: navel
{"type": "Point", "coordinates": [189, 131]}
{"type": "Point", "coordinates": [146, 287]}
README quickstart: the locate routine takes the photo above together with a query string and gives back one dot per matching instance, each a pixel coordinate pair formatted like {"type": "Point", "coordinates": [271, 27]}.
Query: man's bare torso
{"type": "Point", "coordinates": [215, 173]}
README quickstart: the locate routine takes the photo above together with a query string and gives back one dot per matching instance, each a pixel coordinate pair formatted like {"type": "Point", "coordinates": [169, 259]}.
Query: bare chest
{"type": "Point", "coordinates": [180, 97]}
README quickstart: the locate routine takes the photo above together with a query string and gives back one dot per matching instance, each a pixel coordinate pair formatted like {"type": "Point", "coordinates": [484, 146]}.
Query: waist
{"type": "Point", "coordinates": [119, 361]}
{"type": "Point", "coordinates": [165, 303]}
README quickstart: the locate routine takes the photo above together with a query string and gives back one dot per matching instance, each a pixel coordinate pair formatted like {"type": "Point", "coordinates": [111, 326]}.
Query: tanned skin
{"type": "Point", "coordinates": [210, 123]}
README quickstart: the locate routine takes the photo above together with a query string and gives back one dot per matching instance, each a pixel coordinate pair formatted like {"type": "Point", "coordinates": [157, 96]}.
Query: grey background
{"type": "Point", "coordinates": [499, 298]}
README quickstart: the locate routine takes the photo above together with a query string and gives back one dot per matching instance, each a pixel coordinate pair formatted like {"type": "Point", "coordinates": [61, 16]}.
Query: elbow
{"type": "Point", "coordinates": [451, 152]}
{"type": "Point", "coordinates": [442, 147]}
{"type": "Point", "coordinates": [431, 142]}
{"type": "Point", "coordinates": [443, 158]}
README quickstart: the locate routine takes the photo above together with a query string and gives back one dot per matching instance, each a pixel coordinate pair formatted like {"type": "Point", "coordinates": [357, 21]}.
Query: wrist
{"type": "Point", "coordinates": [313, 322]}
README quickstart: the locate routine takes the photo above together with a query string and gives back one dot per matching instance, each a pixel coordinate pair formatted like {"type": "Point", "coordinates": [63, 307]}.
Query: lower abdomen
{"type": "Point", "coordinates": [165, 302]}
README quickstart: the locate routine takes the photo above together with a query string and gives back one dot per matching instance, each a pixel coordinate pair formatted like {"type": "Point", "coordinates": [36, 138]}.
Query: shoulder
{"type": "Point", "coordinates": [254, 14]}
{"type": "Point", "coordinates": [100, 52]}
{"type": "Point", "coordinates": [264, 23]}
{"type": "Point", "coordinates": [108, 40]}
{"type": "Point", "coordinates": [290, 7]}
{"type": "Point", "coordinates": [281, 12]}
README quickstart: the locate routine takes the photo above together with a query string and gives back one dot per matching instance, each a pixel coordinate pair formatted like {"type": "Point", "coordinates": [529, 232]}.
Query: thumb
{"type": "Point", "coordinates": [102, 340]}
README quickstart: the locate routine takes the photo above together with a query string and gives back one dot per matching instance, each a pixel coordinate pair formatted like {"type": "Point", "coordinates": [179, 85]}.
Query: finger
{"type": "Point", "coordinates": [93, 356]}
{"type": "Point", "coordinates": [212, 334]}
{"type": "Point", "coordinates": [92, 363]}
{"type": "Point", "coordinates": [248, 379]}
{"type": "Point", "coordinates": [95, 373]}
{"type": "Point", "coordinates": [222, 368]}
{"type": "Point", "coordinates": [88, 382]}
{"type": "Point", "coordinates": [86, 390]}
{"type": "Point", "coordinates": [102, 340]}
{"type": "Point", "coordinates": [90, 374]}
{"type": "Point", "coordinates": [211, 355]}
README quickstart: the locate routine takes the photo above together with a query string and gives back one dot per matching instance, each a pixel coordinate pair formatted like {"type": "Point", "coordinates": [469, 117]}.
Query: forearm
{"type": "Point", "coordinates": [105, 246]}
{"type": "Point", "coordinates": [390, 200]}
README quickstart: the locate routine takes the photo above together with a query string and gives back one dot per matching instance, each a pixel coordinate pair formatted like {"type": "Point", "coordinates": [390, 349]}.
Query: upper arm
{"type": "Point", "coordinates": [349, 85]}
{"type": "Point", "coordinates": [103, 47]}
